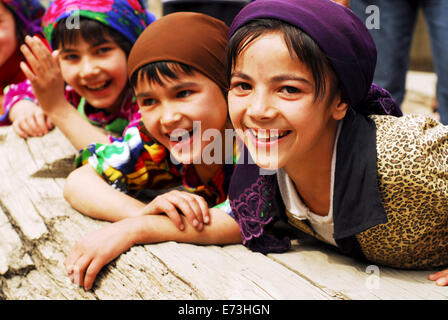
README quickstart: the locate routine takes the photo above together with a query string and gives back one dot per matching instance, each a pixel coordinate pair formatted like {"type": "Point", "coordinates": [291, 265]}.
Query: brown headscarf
{"type": "Point", "coordinates": [193, 39]}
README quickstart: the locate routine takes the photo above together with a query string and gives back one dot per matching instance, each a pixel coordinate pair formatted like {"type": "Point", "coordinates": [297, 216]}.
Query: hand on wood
{"type": "Point", "coordinates": [441, 277]}
{"type": "Point", "coordinates": [194, 208]}
{"type": "Point", "coordinates": [97, 249]}
{"type": "Point", "coordinates": [29, 120]}
{"type": "Point", "coordinates": [44, 73]}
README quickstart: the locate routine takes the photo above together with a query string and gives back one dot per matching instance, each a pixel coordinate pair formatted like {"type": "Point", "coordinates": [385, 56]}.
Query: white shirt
{"type": "Point", "coordinates": [322, 225]}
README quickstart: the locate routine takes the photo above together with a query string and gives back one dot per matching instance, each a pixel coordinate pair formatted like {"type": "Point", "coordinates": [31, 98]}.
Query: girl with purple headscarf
{"type": "Point", "coordinates": [81, 87]}
{"type": "Point", "coordinates": [17, 19]}
{"type": "Point", "coordinates": [341, 163]}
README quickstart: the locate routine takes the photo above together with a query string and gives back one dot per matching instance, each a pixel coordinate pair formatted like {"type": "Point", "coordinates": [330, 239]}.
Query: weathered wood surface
{"type": "Point", "coordinates": [38, 228]}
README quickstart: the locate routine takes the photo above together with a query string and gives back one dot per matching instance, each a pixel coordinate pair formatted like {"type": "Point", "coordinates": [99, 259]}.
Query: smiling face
{"type": "Point", "coordinates": [273, 107]}
{"type": "Point", "coordinates": [8, 39]}
{"type": "Point", "coordinates": [178, 111]}
{"type": "Point", "coordinates": [97, 72]}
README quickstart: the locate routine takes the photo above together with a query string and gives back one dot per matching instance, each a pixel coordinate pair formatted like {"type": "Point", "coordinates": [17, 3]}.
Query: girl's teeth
{"type": "Point", "coordinates": [268, 134]}
{"type": "Point", "coordinates": [97, 86]}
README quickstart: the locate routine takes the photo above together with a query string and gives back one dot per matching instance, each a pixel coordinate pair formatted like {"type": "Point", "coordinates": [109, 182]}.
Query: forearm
{"type": "Point", "coordinates": [77, 129]}
{"type": "Point", "coordinates": [87, 192]}
{"type": "Point", "coordinates": [102, 246]}
{"type": "Point", "coordinates": [221, 230]}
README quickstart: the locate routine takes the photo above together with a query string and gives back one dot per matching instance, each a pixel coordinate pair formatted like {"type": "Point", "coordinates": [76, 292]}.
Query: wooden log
{"type": "Point", "coordinates": [12, 251]}
{"type": "Point", "coordinates": [349, 279]}
{"type": "Point", "coordinates": [38, 229]}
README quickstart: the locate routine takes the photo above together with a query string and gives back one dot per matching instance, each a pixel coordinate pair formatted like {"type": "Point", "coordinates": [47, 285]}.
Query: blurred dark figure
{"type": "Point", "coordinates": [393, 38]}
{"type": "Point", "coordinates": [224, 10]}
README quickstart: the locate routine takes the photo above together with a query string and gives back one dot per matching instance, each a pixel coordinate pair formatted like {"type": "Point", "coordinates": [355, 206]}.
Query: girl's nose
{"type": "Point", "coordinates": [260, 107]}
{"type": "Point", "coordinates": [88, 67]}
{"type": "Point", "coordinates": [170, 116]}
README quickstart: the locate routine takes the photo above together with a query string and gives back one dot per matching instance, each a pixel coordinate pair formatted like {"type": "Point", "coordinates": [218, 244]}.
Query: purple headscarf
{"type": "Point", "coordinates": [29, 12]}
{"type": "Point", "coordinates": [342, 36]}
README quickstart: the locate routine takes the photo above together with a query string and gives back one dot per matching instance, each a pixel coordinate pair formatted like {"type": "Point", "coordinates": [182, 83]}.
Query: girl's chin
{"type": "Point", "coordinates": [102, 104]}
{"type": "Point", "coordinates": [264, 160]}
{"type": "Point", "coordinates": [267, 164]}
{"type": "Point", "coordinates": [109, 102]}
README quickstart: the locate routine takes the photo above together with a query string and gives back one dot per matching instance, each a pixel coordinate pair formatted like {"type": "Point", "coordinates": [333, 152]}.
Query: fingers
{"type": "Point", "coordinates": [49, 123]}
{"type": "Point", "coordinates": [171, 211]}
{"type": "Point", "coordinates": [69, 264]}
{"type": "Point", "coordinates": [71, 259]}
{"type": "Point", "coordinates": [443, 281]}
{"type": "Point", "coordinates": [82, 269]}
{"type": "Point", "coordinates": [441, 277]}
{"type": "Point", "coordinates": [96, 250]}
{"type": "Point", "coordinates": [40, 122]}
{"type": "Point", "coordinates": [194, 207]}
{"type": "Point", "coordinates": [18, 130]}
{"type": "Point", "coordinates": [188, 207]}
{"type": "Point", "coordinates": [79, 269]}
{"type": "Point", "coordinates": [33, 69]}
{"type": "Point", "coordinates": [91, 273]}
{"type": "Point", "coordinates": [204, 208]}
{"type": "Point", "coordinates": [199, 207]}
{"type": "Point", "coordinates": [32, 125]}
{"type": "Point", "coordinates": [27, 72]}
{"type": "Point", "coordinates": [191, 205]}
{"type": "Point", "coordinates": [38, 56]}
{"type": "Point", "coordinates": [25, 127]}
{"type": "Point", "coordinates": [43, 71]}
{"type": "Point", "coordinates": [55, 55]}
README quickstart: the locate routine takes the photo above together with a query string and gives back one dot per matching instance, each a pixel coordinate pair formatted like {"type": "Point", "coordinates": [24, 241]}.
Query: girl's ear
{"type": "Point", "coordinates": [340, 109]}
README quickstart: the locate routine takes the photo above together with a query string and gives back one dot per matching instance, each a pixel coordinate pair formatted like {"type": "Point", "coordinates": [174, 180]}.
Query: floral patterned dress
{"type": "Point", "coordinates": [136, 162]}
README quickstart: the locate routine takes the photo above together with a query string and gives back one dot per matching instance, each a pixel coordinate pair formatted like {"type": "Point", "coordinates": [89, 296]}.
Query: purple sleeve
{"type": "Point", "coordinates": [15, 93]}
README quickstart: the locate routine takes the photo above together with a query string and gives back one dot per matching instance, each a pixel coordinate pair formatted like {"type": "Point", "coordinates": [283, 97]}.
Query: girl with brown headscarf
{"type": "Point", "coordinates": [179, 79]}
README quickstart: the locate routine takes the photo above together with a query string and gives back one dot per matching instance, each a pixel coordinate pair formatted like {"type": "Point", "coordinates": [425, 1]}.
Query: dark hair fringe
{"type": "Point", "coordinates": [93, 32]}
{"type": "Point", "coordinates": [299, 44]}
{"type": "Point", "coordinates": [20, 33]}
{"type": "Point", "coordinates": [153, 72]}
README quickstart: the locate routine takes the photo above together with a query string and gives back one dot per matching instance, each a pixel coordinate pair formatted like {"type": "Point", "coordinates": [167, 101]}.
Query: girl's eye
{"type": "Point", "coordinates": [70, 57]}
{"type": "Point", "coordinates": [242, 86]}
{"type": "Point", "coordinates": [103, 50]}
{"type": "Point", "coordinates": [148, 102]}
{"type": "Point", "coordinates": [184, 93]}
{"type": "Point", "coordinates": [290, 90]}
{"type": "Point", "coordinates": [245, 86]}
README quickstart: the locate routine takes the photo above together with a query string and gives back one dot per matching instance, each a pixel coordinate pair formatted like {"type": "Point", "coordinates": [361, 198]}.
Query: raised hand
{"type": "Point", "coordinates": [44, 73]}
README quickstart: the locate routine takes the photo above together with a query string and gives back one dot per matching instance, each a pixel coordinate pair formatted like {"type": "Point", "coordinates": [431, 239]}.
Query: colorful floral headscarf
{"type": "Point", "coordinates": [29, 12]}
{"type": "Point", "coordinates": [129, 17]}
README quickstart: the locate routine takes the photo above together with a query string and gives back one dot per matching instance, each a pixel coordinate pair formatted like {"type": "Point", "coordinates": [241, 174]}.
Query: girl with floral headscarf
{"type": "Point", "coordinates": [17, 19]}
{"type": "Point", "coordinates": [87, 69]}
